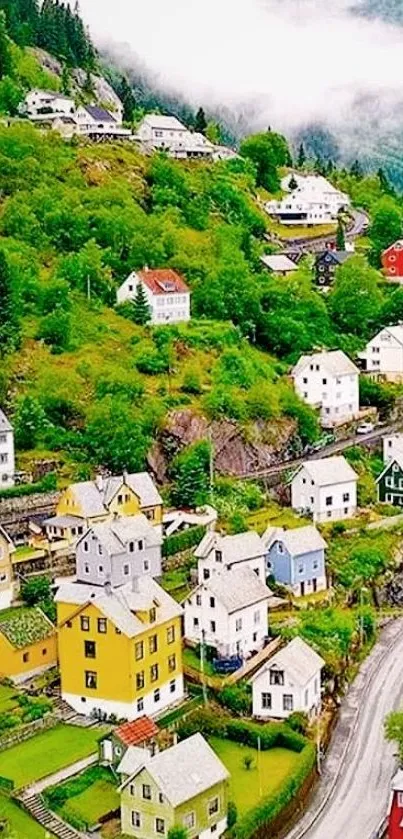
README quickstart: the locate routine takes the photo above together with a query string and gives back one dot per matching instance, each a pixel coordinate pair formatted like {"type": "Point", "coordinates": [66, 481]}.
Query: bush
{"type": "Point", "coordinates": [55, 331]}
{"type": "Point", "coordinates": [152, 363]}
{"type": "Point", "coordinates": [298, 721]}
{"type": "Point", "coordinates": [270, 736]}
{"type": "Point", "coordinates": [182, 541]}
{"type": "Point", "coordinates": [232, 814]}
{"type": "Point", "coordinates": [192, 381]}
{"type": "Point", "coordinates": [237, 699]}
{"type": "Point", "coordinates": [35, 590]}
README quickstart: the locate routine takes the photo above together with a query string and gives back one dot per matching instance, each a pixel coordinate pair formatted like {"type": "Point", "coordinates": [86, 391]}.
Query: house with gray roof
{"type": "Point", "coordinates": [289, 681]}
{"type": "Point", "coordinates": [7, 456]}
{"type": "Point", "coordinates": [229, 611]}
{"type": "Point", "coordinates": [216, 552]}
{"type": "Point", "coordinates": [325, 488]}
{"type": "Point", "coordinates": [118, 550]}
{"type": "Point", "coordinates": [329, 382]}
{"type": "Point", "coordinates": [279, 264]}
{"type": "Point", "coordinates": [185, 785]}
{"type": "Point", "coordinates": [296, 558]}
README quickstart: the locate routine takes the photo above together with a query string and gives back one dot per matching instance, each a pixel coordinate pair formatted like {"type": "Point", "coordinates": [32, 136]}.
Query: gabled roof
{"type": "Point", "coordinates": [8, 539]}
{"type": "Point", "coordinates": [397, 782]}
{"type": "Point", "coordinates": [53, 94]}
{"type": "Point", "coordinates": [167, 123]}
{"type": "Point", "coordinates": [396, 457]}
{"type": "Point", "coordinates": [398, 245]}
{"type": "Point", "coordinates": [329, 470]}
{"type": "Point", "coordinates": [95, 496]}
{"type": "Point", "coordinates": [297, 541]}
{"type": "Point", "coordinates": [134, 758]}
{"type": "Point", "coordinates": [137, 732]}
{"type": "Point", "coordinates": [100, 114]}
{"type": "Point", "coordinates": [335, 362]}
{"type": "Point", "coordinates": [338, 256]}
{"type": "Point", "coordinates": [278, 262]}
{"type": "Point", "coordinates": [396, 332]}
{"type": "Point", "coordinates": [236, 589]}
{"type": "Point", "coordinates": [297, 659]}
{"type": "Point", "coordinates": [236, 548]}
{"type": "Point", "coordinates": [163, 281]}
{"type": "Point", "coordinates": [186, 770]}
{"type": "Point", "coordinates": [115, 535]}
{"type": "Point", "coordinates": [5, 425]}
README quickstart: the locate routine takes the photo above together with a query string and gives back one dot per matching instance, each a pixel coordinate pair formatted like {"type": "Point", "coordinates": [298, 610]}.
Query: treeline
{"type": "Point", "coordinates": [53, 26]}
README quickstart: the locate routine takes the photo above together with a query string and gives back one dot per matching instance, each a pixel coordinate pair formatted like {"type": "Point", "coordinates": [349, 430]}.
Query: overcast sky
{"type": "Point", "coordinates": [293, 60]}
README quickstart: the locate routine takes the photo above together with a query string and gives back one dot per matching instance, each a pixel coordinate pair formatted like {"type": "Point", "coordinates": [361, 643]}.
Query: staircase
{"type": "Point", "coordinates": [35, 805]}
{"type": "Point", "coordinates": [64, 712]}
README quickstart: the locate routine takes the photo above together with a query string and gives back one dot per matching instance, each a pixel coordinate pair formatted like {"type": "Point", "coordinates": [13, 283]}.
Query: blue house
{"type": "Point", "coordinates": [296, 558]}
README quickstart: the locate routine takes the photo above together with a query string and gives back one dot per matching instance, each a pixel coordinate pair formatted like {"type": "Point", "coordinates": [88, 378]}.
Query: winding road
{"type": "Point", "coordinates": [352, 797]}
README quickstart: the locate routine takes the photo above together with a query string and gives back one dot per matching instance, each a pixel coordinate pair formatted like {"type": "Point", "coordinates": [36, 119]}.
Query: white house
{"type": "Point", "coordinates": [392, 444]}
{"type": "Point", "coordinates": [244, 550]}
{"type": "Point", "coordinates": [326, 488]}
{"type": "Point", "coordinates": [329, 381]}
{"type": "Point", "coordinates": [93, 121]}
{"type": "Point", "coordinates": [40, 102]}
{"type": "Point", "coordinates": [167, 294]}
{"type": "Point", "coordinates": [314, 201]}
{"type": "Point", "coordinates": [229, 612]}
{"type": "Point", "coordinates": [166, 133]}
{"type": "Point", "coordinates": [383, 355]}
{"type": "Point", "coordinates": [289, 681]}
{"type": "Point", "coordinates": [7, 458]}
{"type": "Point", "coordinates": [279, 263]}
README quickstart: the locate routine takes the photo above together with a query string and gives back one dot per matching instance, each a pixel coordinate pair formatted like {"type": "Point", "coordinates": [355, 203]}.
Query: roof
{"type": "Point", "coordinates": [397, 782]}
{"type": "Point", "coordinates": [5, 425]}
{"type": "Point", "coordinates": [25, 626]}
{"type": "Point", "coordinates": [236, 588]}
{"type": "Point", "coordinates": [278, 262]}
{"type": "Point", "coordinates": [99, 113]}
{"type": "Point", "coordinates": [298, 659]}
{"type": "Point", "coordinates": [335, 362]}
{"type": "Point", "coordinates": [237, 548]}
{"type": "Point", "coordinates": [120, 605]}
{"type": "Point", "coordinates": [163, 281]}
{"type": "Point", "coordinates": [137, 732]}
{"type": "Point", "coordinates": [95, 496]}
{"type": "Point", "coordinates": [115, 535]}
{"type": "Point", "coordinates": [63, 521]}
{"type": "Point", "coordinates": [396, 457]}
{"type": "Point", "coordinates": [52, 93]}
{"type": "Point", "coordinates": [297, 541]}
{"type": "Point", "coordinates": [398, 245]}
{"type": "Point", "coordinates": [134, 758]}
{"type": "Point", "coordinates": [8, 539]}
{"type": "Point", "coordinates": [338, 256]}
{"type": "Point", "coordinates": [396, 332]}
{"type": "Point", "coordinates": [186, 770]}
{"type": "Point", "coordinates": [164, 122]}
{"type": "Point", "coordinates": [329, 470]}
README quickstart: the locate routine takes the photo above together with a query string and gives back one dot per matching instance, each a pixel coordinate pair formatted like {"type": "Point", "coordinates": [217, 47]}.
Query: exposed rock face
{"type": "Point", "coordinates": [237, 450]}
{"type": "Point", "coordinates": [103, 92]}
{"type": "Point", "coordinates": [394, 590]}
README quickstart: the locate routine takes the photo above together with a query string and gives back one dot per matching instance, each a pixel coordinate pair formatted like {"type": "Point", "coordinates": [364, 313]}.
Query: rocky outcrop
{"type": "Point", "coordinates": [238, 449]}
{"type": "Point", "coordinates": [103, 92]}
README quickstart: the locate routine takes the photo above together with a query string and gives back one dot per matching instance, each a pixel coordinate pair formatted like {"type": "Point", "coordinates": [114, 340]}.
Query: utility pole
{"type": "Point", "coordinates": [211, 460]}
{"type": "Point", "coordinates": [259, 767]}
{"type": "Point", "coordinates": [318, 755]}
{"type": "Point", "coordinates": [88, 287]}
{"type": "Point", "coordinates": [204, 687]}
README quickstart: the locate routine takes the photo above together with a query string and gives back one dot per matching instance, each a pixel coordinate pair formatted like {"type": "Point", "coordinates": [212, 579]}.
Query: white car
{"type": "Point", "coordinates": [365, 428]}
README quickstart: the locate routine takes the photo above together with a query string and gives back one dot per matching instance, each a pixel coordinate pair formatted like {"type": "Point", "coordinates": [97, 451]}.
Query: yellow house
{"type": "Point", "coordinates": [120, 649]}
{"type": "Point", "coordinates": [6, 570]}
{"type": "Point", "coordinates": [28, 643]}
{"type": "Point", "coordinates": [90, 502]}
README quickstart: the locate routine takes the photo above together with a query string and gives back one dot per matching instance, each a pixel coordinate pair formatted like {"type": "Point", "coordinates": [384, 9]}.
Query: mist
{"type": "Point", "coordinates": [287, 62]}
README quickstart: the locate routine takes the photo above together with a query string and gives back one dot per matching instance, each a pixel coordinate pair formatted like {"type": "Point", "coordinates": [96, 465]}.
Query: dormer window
{"type": "Point", "coordinates": [276, 677]}
{"type": "Point", "coordinates": [153, 615]}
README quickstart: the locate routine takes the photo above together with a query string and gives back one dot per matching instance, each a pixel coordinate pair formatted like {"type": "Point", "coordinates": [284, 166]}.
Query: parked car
{"type": "Point", "coordinates": [223, 666]}
{"type": "Point", "coordinates": [365, 428]}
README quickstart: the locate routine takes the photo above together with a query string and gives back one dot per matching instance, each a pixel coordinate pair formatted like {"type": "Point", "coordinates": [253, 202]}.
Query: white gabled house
{"type": "Point", "coordinates": [7, 457]}
{"type": "Point", "coordinates": [167, 294]}
{"type": "Point", "coordinates": [229, 612]}
{"type": "Point", "coordinates": [41, 102]}
{"type": "Point", "coordinates": [383, 355]}
{"type": "Point", "coordinates": [289, 681]}
{"type": "Point", "coordinates": [326, 488]}
{"type": "Point", "coordinates": [313, 201]}
{"type": "Point", "coordinates": [329, 382]}
{"type": "Point", "coordinates": [157, 132]}
{"type": "Point", "coordinates": [244, 550]}
{"type": "Point", "coordinates": [392, 444]}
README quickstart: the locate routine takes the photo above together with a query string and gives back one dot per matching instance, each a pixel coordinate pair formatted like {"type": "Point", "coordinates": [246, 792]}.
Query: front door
{"type": "Point", "coordinates": [302, 589]}
{"type": "Point", "coordinates": [314, 585]}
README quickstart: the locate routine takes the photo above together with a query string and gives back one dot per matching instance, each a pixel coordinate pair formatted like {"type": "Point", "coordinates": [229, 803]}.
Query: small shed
{"type": "Point", "coordinates": [141, 732]}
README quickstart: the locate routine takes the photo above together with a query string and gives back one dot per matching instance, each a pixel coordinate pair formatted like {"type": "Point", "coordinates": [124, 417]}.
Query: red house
{"type": "Point", "coordinates": [392, 262]}
{"type": "Point", "coordinates": [396, 808]}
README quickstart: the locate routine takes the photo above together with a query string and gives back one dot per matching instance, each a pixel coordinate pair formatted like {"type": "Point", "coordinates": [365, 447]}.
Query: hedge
{"type": "Point", "coordinates": [47, 484]}
{"type": "Point", "coordinates": [272, 735]}
{"type": "Point", "coordinates": [183, 541]}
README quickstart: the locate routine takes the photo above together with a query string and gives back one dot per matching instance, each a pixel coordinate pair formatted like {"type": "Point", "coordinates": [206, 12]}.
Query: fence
{"type": "Point", "coordinates": [18, 735]}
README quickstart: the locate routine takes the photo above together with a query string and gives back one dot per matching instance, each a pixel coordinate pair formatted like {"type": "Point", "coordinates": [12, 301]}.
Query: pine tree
{"type": "Point", "coordinates": [141, 310]}
{"type": "Point", "coordinates": [340, 237]}
{"type": "Point", "coordinates": [65, 81]}
{"type": "Point", "coordinates": [5, 54]}
{"type": "Point", "coordinates": [301, 157]}
{"type": "Point", "coordinates": [200, 121]}
{"type": "Point", "coordinates": [356, 169]}
{"type": "Point", "coordinates": [127, 99]}
{"type": "Point", "coordinates": [384, 183]}
{"type": "Point", "coordinates": [9, 327]}
{"type": "Point", "coordinates": [293, 183]}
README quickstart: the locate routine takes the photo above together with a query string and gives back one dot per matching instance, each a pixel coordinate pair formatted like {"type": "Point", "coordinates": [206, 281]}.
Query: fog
{"type": "Point", "coordinates": [287, 62]}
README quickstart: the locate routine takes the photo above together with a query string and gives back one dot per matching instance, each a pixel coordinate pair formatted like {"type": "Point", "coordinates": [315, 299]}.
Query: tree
{"type": "Point", "coordinates": [384, 184]}
{"type": "Point", "coordinates": [356, 170]}
{"type": "Point", "coordinates": [293, 183]}
{"type": "Point", "coordinates": [386, 227]}
{"type": "Point", "coordinates": [9, 325]}
{"type": "Point", "coordinates": [118, 436]}
{"type": "Point", "coordinates": [55, 331]}
{"type": "Point", "coordinates": [213, 133]}
{"type": "Point", "coordinates": [355, 300]}
{"type": "Point", "coordinates": [29, 423]}
{"type": "Point", "coordinates": [394, 731]}
{"type": "Point", "coordinates": [200, 121]}
{"type": "Point", "coordinates": [126, 96]}
{"type": "Point", "coordinates": [177, 832]}
{"type": "Point", "coordinates": [141, 310]}
{"type": "Point", "coordinates": [364, 566]}
{"type": "Point", "coordinates": [190, 473]}
{"type": "Point", "coordinates": [301, 160]}
{"type": "Point", "coordinates": [340, 238]}
{"type": "Point", "coordinates": [36, 590]}
{"type": "Point", "coordinates": [267, 151]}
{"type": "Point", "coordinates": [5, 53]}
{"type": "Point", "coordinates": [65, 81]}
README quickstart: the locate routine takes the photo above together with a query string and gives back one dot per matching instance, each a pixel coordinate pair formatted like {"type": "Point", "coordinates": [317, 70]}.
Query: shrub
{"type": "Point", "coordinates": [248, 762]}
{"type": "Point", "coordinates": [232, 814]}
{"type": "Point", "coordinates": [192, 381]}
{"type": "Point", "coordinates": [236, 698]}
{"type": "Point", "coordinates": [298, 721]}
{"type": "Point", "coordinates": [182, 541]}
{"type": "Point", "coordinates": [35, 590]}
{"type": "Point", "coordinates": [55, 331]}
{"type": "Point", "coordinates": [152, 363]}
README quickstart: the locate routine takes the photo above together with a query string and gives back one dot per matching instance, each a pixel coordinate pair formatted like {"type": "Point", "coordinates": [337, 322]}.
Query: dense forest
{"type": "Point", "coordinates": [53, 26]}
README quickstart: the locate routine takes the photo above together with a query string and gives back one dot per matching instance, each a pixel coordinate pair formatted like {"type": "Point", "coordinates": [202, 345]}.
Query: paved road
{"type": "Point", "coordinates": [352, 797]}
{"type": "Point", "coordinates": [312, 244]}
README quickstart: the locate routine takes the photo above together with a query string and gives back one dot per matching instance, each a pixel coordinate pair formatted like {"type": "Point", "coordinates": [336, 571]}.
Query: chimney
{"type": "Point", "coordinates": [99, 482]}
{"type": "Point", "coordinates": [116, 515]}
{"type": "Point", "coordinates": [125, 473]}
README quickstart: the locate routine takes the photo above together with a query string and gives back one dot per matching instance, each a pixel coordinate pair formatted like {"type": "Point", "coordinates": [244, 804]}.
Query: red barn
{"type": "Point", "coordinates": [392, 262]}
{"type": "Point", "coordinates": [396, 808]}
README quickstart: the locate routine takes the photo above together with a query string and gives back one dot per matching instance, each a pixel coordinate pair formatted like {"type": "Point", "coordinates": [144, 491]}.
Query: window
{"type": "Point", "coordinates": [69, 624]}
{"type": "Point", "coordinates": [266, 701]}
{"type": "Point", "coordinates": [140, 545]}
{"type": "Point", "coordinates": [126, 570]}
{"type": "Point", "coordinates": [90, 649]}
{"type": "Point", "coordinates": [171, 663]}
{"type": "Point", "coordinates": [85, 623]}
{"type": "Point", "coordinates": [256, 616]}
{"type": "Point", "coordinates": [324, 381]}
{"type": "Point", "coordinates": [213, 828]}
{"type": "Point", "coordinates": [86, 547]}
{"type": "Point", "coordinates": [139, 650]}
{"type": "Point", "coordinates": [329, 500]}
{"type": "Point", "coordinates": [136, 818]}
{"type": "Point", "coordinates": [195, 622]}
{"type": "Point", "coordinates": [346, 496]}
{"type": "Point", "coordinates": [146, 792]}
{"type": "Point", "coordinates": [304, 381]}
{"type": "Point", "coordinates": [140, 680]}
{"type": "Point", "coordinates": [90, 680]}
{"type": "Point", "coordinates": [288, 702]}
{"type": "Point", "coordinates": [100, 550]}
{"type": "Point", "coordinates": [172, 686]}
{"type": "Point", "coordinates": [120, 499]}
{"type": "Point", "coordinates": [276, 677]}
{"type": "Point", "coordinates": [212, 626]}
{"type": "Point", "coordinates": [154, 672]}
{"type": "Point", "coordinates": [140, 704]}
{"type": "Point", "coordinates": [160, 825]}
{"type": "Point", "coordinates": [206, 574]}
{"type": "Point", "coordinates": [152, 615]}
{"type": "Point", "coordinates": [25, 657]}
{"type": "Point", "coordinates": [100, 569]}
{"type": "Point", "coordinates": [218, 556]}
{"type": "Point", "coordinates": [238, 624]}
{"type": "Point", "coordinates": [198, 600]}
{"type": "Point", "coordinates": [213, 806]}
{"type": "Point", "coordinates": [400, 799]}
{"type": "Point", "coordinates": [146, 566]}
{"type": "Point", "coordinates": [157, 695]}
{"type": "Point", "coordinates": [212, 602]}
{"type": "Point", "coordinates": [171, 634]}
{"type": "Point", "coordinates": [132, 789]}
{"type": "Point", "coordinates": [315, 565]}
{"type": "Point", "coordinates": [189, 821]}
{"type": "Point", "coordinates": [131, 547]}
{"type": "Point", "coordinates": [153, 643]}
{"type": "Point", "coordinates": [86, 569]}
{"type": "Point", "coordinates": [102, 626]}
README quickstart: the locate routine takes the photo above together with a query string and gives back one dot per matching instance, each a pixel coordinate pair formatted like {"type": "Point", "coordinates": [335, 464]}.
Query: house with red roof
{"type": "Point", "coordinates": [167, 294]}
{"type": "Point", "coordinates": [141, 734]}
{"type": "Point", "coordinates": [395, 827]}
{"type": "Point", "coordinates": [392, 262]}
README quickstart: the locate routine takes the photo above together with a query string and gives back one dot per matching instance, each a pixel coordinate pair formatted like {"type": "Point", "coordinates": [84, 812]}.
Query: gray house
{"type": "Point", "coordinates": [117, 550]}
{"type": "Point", "coordinates": [296, 558]}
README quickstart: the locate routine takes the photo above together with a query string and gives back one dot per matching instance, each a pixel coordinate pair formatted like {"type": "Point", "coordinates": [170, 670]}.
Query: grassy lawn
{"type": "Point", "coordinates": [7, 698]}
{"type": "Point", "coordinates": [275, 516]}
{"type": "Point", "coordinates": [19, 824]}
{"type": "Point", "coordinates": [176, 582]}
{"type": "Point", "coordinates": [275, 766]}
{"type": "Point", "coordinates": [84, 799]}
{"type": "Point", "coordinates": [47, 753]}
{"type": "Point", "coordinates": [191, 658]}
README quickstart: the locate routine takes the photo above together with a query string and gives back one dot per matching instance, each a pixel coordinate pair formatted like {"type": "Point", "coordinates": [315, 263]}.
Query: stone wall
{"type": "Point", "coordinates": [25, 732]}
